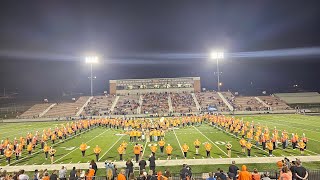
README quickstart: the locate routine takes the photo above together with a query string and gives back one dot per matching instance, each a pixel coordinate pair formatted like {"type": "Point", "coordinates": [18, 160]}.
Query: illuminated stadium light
{"type": "Point", "coordinates": [217, 55]}
{"type": "Point", "coordinates": [92, 59]}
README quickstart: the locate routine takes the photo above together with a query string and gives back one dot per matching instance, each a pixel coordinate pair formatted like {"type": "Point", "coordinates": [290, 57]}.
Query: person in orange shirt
{"type": "Point", "coordinates": [301, 146]}
{"type": "Point", "coordinates": [53, 138]}
{"type": "Point", "coordinates": [153, 148]}
{"type": "Point", "coordinates": [29, 148]}
{"type": "Point", "coordinates": [120, 151]}
{"type": "Point", "coordinates": [249, 146]}
{"type": "Point", "coordinates": [244, 174]}
{"type": "Point", "coordinates": [83, 148]}
{"type": "Point", "coordinates": [136, 151]}
{"type": "Point", "coordinates": [121, 175]}
{"type": "Point", "coordinates": [185, 149]}
{"type": "Point", "coordinates": [161, 144]}
{"type": "Point", "coordinates": [270, 147]}
{"type": "Point", "coordinates": [305, 140]}
{"type": "Point", "coordinates": [208, 147]}
{"type": "Point", "coordinates": [243, 144]}
{"type": "Point", "coordinates": [90, 173]}
{"type": "Point", "coordinates": [169, 151]}
{"type": "Point", "coordinates": [196, 144]}
{"type": "Point", "coordinates": [46, 149]}
{"type": "Point", "coordinates": [8, 153]}
{"type": "Point", "coordinates": [18, 151]}
{"type": "Point", "coordinates": [97, 151]}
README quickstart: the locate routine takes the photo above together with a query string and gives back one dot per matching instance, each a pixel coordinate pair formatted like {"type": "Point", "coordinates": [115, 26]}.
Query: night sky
{"type": "Point", "coordinates": [43, 44]}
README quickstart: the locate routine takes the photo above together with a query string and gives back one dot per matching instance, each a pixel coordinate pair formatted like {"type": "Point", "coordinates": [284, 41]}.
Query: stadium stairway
{"type": "Point", "coordinates": [262, 102]}
{"type": "Point", "coordinates": [140, 104]}
{"type": "Point", "coordinates": [84, 105]}
{"type": "Point", "coordinates": [114, 103]}
{"type": "Point", "coordinates": [45, 111]}
{"type": "Point", "coordinates": [196, 101]}
{"type": "Point", "coordinates": [170, 104]}
{"type": "Point", "coordinates": [225, 101]}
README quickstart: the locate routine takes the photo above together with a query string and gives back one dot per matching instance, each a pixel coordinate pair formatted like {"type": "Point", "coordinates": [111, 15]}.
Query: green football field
{"type": "Point", "coordinates": [110, 139]}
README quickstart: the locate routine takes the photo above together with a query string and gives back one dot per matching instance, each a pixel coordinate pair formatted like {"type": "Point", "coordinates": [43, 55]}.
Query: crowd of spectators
{"type": "Point", "coordinates": [127, 105]}
{"type": "Point", "coordinates": [155, 103]}
{"type": "Point", "coordinates": [286, 171]}
{"type": "Point", "coordinates": [206, 99]}
{"type": "Point", "coordinates": [182, 103]}
{"type": "Point", "coordinates": [99, 105]}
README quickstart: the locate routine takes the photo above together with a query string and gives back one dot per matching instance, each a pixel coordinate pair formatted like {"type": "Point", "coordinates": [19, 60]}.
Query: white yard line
{"type": "Point", "coordinates": [77, 148]}
{"type": "Point", "coordinates": [110, 148]}
{"type": "Point", "coordinates": [178, 142]}
{"type": "Point", "coordinates": [210, 141]}
{"type": "Point", "coordinates": [144, 149]}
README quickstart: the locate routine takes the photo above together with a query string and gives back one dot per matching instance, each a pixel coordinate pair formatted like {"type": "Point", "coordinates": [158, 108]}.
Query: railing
{"type": "Point", "coordinates": [274, 175]}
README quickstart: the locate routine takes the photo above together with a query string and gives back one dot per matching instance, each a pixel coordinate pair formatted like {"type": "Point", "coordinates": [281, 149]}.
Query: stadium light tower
{"type": "Point", "coordinates": [217, 55]}
{"type": "Point", "coordinates": [91, 60]}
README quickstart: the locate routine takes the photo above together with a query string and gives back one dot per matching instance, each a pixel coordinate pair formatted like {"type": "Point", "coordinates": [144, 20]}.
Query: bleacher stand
{"type": "Point", "coordinates": [99, 105]}
{"type": "Point", "coordinates": [206, 99]}
{"type": "Point", "coordinates": [127, 105]}
{"type": "Point", "coordinates": [35, 110]}
{"type": "Point", "coordinates": [67, 109]}
{"type": "Point", "coordinates": [183, 103]}
{"type": "Point", "coordinates": [249, 103]}
{"type": "Point", "coordinates": [155, 103]}
{"type": "Point", "coordinates": [275, 103]}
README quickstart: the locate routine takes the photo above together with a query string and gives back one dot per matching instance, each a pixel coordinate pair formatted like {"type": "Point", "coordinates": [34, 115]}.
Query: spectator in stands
{"type": "Point", "coordinates": [300, 172]}
{"type": "Point", "coordinates": [142, 164]}
{"type": "Point", "coordinates": [121, 175]}
{"type": "Point", "coordinates": [36, 174]}
{"type": "Point", "coordinates": [152, 163]}
{"type": "Point", "coordinates": [131, 176]}
{"type": "Point", "coordinates": [217, 174]}
{"type": "Point", "coordinates": [167, 174]}
{"type": "Point", "coordinates": [54, 175]}
{"type": "Point", "coordinates": [151, 176]}
{"type": "Point", "coordinates": [73, 174]}
{"type": "Point", "coordinates": [94, 166]}
{"type": "Point", "coordinates": [222, 175]}
{"type": "Point", "coordinates": [23, 176]}
{"type": "Point", "coordinates": [233, 171]}
{"type": "Point", "coordinates": [211, 176]}
{"type": "Point", "coordinates": [244, 174]}
{"type": "Point", "coordinates": [185, 172]}
{"type": "Point", "coordinates": [255, 174]}
{"type": "Point", "coordinates": [285, 174]}
{"type": "Point", "coordinates": [265, 176]}
{"type": "Point", "coordinates": [46, 176]}
{"type": "Point", "coordinates": [129, 167]}
{"type": "Point", "coordinates": [293, 169]}
{"type": "Point", "coordinates": [63, 173]}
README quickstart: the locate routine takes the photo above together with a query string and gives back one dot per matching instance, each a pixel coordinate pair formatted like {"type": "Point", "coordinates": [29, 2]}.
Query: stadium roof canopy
{"type": "Point", "coordinates": [300, 98]}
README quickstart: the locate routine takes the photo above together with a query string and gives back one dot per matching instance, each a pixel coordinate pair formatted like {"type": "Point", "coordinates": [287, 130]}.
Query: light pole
{"type": "Point", "coordinates": [217, 55]}
{"type": "Point", "coordinates": [91, 60]}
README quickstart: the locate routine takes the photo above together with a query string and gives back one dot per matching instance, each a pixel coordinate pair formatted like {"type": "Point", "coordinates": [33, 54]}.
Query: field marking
{"type": "Point", "coordinates": [267, 122]}
{"type": "Point", "coordinates": [178, 143]}
{"type": "Point", "coordinates": [77, 148]}
{"type": "Point", "coordinates": [295, 122]}
{"type": "Point", "coordinates": [144, 149]}
{"type": "Point", "coordinates": [110, 148]}
{"type": "Point", "coordinates": [210, 141]}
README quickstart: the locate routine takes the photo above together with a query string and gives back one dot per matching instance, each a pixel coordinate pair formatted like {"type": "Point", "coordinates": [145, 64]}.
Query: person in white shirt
{"type": "Point", "coordinates": [23, 176]}
{"type": "Point", "coordinates": [63, 173]}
